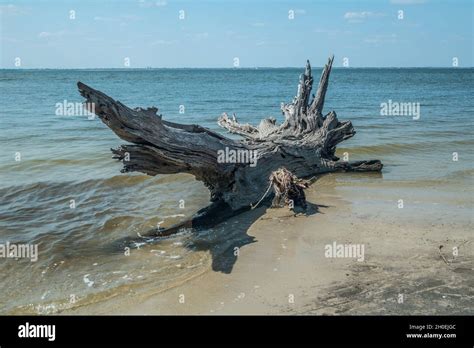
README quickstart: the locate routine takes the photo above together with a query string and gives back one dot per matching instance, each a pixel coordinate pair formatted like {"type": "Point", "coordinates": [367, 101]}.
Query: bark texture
{"type": "Point", "coordinates": [305, 143]}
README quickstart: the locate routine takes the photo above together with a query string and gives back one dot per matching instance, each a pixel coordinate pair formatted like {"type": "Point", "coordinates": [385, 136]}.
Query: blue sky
{"type": "Point", "coordinates": [259, 33]}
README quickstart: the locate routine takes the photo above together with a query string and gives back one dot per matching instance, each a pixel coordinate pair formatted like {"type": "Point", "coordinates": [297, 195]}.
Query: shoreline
{"type": "Point", "coordinates": [285, 270]}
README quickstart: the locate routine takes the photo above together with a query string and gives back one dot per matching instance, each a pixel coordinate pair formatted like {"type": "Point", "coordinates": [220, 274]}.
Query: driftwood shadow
{"type": "Point", "coordinates": [225, 239]}
{"type": "Point", "coordinates": [215, 231]}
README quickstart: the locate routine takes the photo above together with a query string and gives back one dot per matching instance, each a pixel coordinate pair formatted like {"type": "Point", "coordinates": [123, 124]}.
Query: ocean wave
{"type": "Point", "coordinates": [400, 148]}
{"type": "Point", "coordinates": [51, 189]}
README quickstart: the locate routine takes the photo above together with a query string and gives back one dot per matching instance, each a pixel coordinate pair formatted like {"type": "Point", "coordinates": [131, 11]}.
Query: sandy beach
{"type": "Point", "coordinates": [284, 270]}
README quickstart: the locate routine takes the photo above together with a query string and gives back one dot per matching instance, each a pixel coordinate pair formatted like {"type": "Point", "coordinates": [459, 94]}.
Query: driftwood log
{"type": "Point", "coordinates": [305, 143]}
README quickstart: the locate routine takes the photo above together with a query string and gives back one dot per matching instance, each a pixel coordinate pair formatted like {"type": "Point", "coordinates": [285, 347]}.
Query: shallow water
{"type": "Point", "coordinates": [82, 250]}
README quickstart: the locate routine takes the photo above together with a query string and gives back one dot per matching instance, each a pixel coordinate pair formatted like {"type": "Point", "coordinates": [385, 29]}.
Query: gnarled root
{"type": "Point", "coordinates": [289, 190]}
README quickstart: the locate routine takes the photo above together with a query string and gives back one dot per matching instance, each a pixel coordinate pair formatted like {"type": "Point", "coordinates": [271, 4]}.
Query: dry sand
{"type": "Point", "coordinates": [285, 270]}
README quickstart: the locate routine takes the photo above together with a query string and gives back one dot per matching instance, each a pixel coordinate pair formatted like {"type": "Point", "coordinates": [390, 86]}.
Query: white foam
{"type": "Point", "coordinates": [87, 280]}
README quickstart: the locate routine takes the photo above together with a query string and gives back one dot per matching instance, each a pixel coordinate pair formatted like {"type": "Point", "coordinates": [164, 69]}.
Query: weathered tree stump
{"type": "Point", "coordinates": [305, 143]}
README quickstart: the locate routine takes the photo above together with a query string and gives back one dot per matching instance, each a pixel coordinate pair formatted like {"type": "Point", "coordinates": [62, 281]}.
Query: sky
{"type": "Point", "coordinates": [236, 33]}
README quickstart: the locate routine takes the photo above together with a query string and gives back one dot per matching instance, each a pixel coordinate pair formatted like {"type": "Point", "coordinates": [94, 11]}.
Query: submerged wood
{"type": "Point", "coordinates": [305, 144]}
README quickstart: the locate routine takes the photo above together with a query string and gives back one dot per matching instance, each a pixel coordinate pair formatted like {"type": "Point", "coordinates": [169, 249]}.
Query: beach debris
{"type": "Point", "coordinates": [449, 262]}
{"type": "Point", "coordinates": [235, 171]}
{"type": "Point", "coordinates": [442, 256]}
{"type": "Point", "coordinates": [288, 189]}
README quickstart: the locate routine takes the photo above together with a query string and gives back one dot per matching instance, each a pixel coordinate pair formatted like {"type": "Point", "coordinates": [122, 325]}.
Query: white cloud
{"type": "Point", "coordinates": [198, 36]}
{"type": "Point", "coordinates": [300, 11]}
{"type": "Point", "coordinates": [163, 42]}
{"type": "Point", "coordinates": [407, 2]}
{"type": "Point", "coordinates": [5, 9]}
{"type": "Point", "coordinates": [11, 9]}
{"type": "Point", "coordinates": [48, 34]}
{"type": "Point", "coordinates": [121, 18]}
{"type": "Point", "coordinates": [362, 15]}
{"type": "Point", "coordinates": [332, 31]}
{"type": "Point", "coordinates": [145, 4]}
{"type": "Point", "coordinates": [148, 4]}
{"type": "Point", "coordinates": [103, 19]}
{"type": "Point", "coordinates": [271, 43]}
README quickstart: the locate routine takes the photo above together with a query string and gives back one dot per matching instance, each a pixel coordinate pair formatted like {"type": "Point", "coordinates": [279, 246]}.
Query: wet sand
{"type": "Point", "coordinates": [285, 270]}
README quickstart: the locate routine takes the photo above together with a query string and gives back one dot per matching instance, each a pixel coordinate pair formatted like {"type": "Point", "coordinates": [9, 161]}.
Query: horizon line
{"type": "Point", "coordinates": [248, 68]}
